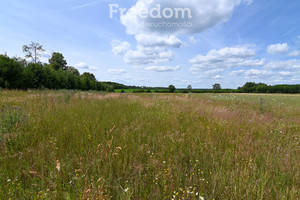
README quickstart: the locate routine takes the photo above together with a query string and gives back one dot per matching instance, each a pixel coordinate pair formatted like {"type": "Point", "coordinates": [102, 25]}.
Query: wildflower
{"type": "Point", "coordinates": [9, 180]}
{"type": "Point", "coordinates": [126, 190]}
{"type": "Point", "coordinates": [201, 198]}
{"type": "Point", "coordinates": [164, 162]}
{"type": "Point", "coordinates": [58, 165]}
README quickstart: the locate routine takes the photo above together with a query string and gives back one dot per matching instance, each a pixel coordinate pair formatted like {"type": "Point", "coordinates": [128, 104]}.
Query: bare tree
{"type": "Point", "coordinates": [33, 51]}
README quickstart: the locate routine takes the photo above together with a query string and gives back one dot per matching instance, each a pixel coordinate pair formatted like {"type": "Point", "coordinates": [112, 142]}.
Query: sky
{"type": "Point", "coordinates": [162, 42]}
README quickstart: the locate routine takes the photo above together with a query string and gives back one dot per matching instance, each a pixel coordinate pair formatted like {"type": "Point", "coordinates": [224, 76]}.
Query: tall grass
{"type": "Point", "coordinates": [151, 146]}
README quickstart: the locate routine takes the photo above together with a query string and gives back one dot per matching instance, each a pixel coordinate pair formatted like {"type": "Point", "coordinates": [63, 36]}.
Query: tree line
{"type": "Point", "coordinates": [17, 73]}
{"type": "Point", "coordinates": [249, 87]}
{"type": "Point", "coordinates": [252, 87]}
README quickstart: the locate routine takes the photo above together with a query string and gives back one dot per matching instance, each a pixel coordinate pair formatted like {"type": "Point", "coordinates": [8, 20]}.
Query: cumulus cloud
{"type": "Point", "coordinates": [120, 48]}
{"type": "Point", "coordinates": [83, 65]}
{"type": "Point", "coordinates": [152, 40]}
{"type": "Point", "coordinates": [163, 68]}
{"type": "Point", "coordinates": [237, 72]}
{"type": "Point", "coordinates": [209, 74]}
{"type": "Point", "coordinates": [294, 53]}
{"type": "Point", "coordinates": [286, 74]}
{"type": "Point", "coordinates": [148, 55]}
{"type": "Point", "coordinates": [116, 71]}
{"type": "Point", "coordinates": [181, 16]}
{"type": "Point", "coordinates": [287, 65]}
{"type": "Point", "coordinates": [257, 73]}
{"type": "Point", "coordinates": [228, 57]}
{"type": "Point", "coordinates": [277, 49]}
{"type": "Point", "coordinates": [218, 77]}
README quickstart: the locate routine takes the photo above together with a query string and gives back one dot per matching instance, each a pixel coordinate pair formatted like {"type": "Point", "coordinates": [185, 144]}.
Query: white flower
{"type": "Point", "coordinates": [201, 198]}
{"type": "Point", "coordinates": [126, 190]}
{"type": "Point", "coordinates": [9, 180]}
{"type": "Point", "coordinates": [164, 162]}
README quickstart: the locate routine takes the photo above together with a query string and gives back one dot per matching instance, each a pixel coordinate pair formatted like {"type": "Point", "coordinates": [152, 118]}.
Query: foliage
{"type": "Point", "coordinates": [89, 76]}
{"type": "Point", "coordinates": [16, 73]}
{"type": "Point", "coordinates": [171, 88]}
{"type": "Point", "coordinates": [33, 51]}
{"type": "Point", "coordinates": [57, 61]}
{"type": "Point", "coordinates": [117, 85]}
{"type": "Point", "coordinates": [73, 70]}
{"type": "Point", "coordinates": [217, 86]}
{"type": "Point", "coordinates": [11, 72]}
{"type": "Point", "coordinates": [251, 87]}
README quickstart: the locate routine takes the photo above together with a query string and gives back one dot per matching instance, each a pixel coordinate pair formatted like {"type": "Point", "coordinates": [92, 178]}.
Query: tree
{"type": "Point", "coordinates": [171, 88]}
{"type": "Point", "coordinates": [33, 51]}
{"type": "Point", "coordinates": [57, 61]}
{"type": "Point", "coordinates": [73, 70]}
{"type": "Point", "coordinates": [33, 76]}
{"type": "Point", "coordinates": [217, 86]}
{"type": "Point", "coordinates": [89, 76]}
{"type": "Point", "coordinates": [189, 87]}
{"type": "Point", "coordinates": [11, 73]}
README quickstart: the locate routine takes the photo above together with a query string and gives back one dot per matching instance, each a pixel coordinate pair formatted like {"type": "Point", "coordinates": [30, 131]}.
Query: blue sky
{"type": "Point", "coordinates": [228, 42]}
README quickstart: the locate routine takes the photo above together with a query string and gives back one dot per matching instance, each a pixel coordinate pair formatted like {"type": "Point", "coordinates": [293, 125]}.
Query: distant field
{"type": "Point", "coordinates": [133, 90]}
{"type": "Point", "coordinates": [66, 145]}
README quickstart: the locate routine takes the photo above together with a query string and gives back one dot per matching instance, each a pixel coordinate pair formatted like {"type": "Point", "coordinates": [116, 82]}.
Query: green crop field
{"type": "Point", "coordinates": [80, 145]}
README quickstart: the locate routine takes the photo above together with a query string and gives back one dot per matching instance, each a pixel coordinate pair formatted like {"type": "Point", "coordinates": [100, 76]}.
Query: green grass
{"type": "Point", "coordinates": [151, 146]}
{"type": "Point", "coordinates": [134, 90]}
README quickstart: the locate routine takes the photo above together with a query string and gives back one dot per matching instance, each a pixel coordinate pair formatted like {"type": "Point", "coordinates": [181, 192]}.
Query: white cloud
{"type": "Point", "coordinates": [162, 68]}
{"type": "Point", "coordinates": [288, 65]}
{"type": "Point", "coordinates": [151, 40]}
{"type": "Point", "coordinates": [116, 71]}
{"type": "Point", "coordinates": [120, 48]}
{"type": "Point", "coordinates": [294, 53]}
{"type": "Point", "coordinates": [45, 56]}
{"type": "Point", "coordinates": [83, 65]}
{"type": "Point", "coordinates": [228, 57]}
{"type": "Point", "coordinates": [217, 77]}
{"type": "Point", "coordinates": [286, 74]}
{"type": "Point", "coordinates": [193, 40]}
{"type": "Point", "coordinates": [277, 49]}
{"type": "Point", "coordinates": [209, 74]}
{"type": "Point", "coordinates": [148, 55]}
{"type": "Point", "coordinates": [237, 73]}
{"type": "Point", "coordinates": [256, 73]}
{"type": "Point", "coordinates": [197, 15]}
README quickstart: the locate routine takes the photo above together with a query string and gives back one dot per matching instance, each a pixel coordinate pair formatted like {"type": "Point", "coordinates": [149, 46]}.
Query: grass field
{"type": "Point", "coordinates": [135, 90]}
{"type": "Point", "coordinates": [66, 145]}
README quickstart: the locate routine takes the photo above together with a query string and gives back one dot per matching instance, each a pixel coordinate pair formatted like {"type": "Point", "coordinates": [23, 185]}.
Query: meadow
{"type": "Point", "coordinates": [92, 145]}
